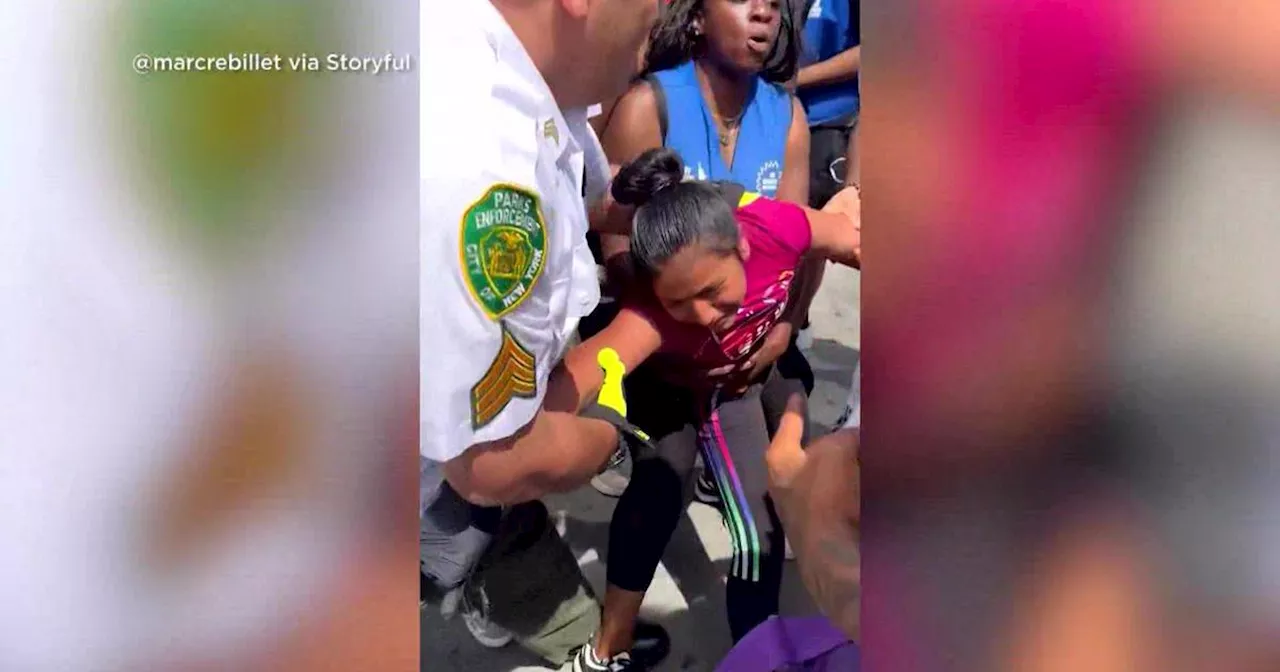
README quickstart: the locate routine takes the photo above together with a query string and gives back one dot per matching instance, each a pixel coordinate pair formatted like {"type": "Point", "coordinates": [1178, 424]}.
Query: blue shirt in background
{"type": "Point", "coordinates": [831, 27]}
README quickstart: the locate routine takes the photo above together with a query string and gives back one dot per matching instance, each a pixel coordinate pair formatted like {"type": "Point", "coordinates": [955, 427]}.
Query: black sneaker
{"type": "Point", "coordinates": [650, 648]}
{"type": "Point", "coordinates": [586, 661]}
{"type": "Point", "coordinates": [705, 490]}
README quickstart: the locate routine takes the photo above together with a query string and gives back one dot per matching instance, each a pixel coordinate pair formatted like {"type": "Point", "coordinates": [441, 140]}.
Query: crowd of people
{"type": "Point", "coordinates": [620, 262]}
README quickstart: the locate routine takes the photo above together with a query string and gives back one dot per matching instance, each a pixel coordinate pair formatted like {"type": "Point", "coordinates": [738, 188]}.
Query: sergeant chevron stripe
{"type": "Point", "coordinates": [512, 374]}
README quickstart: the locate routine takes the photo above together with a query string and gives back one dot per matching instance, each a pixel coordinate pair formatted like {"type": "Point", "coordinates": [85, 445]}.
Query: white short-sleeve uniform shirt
{"type": "Point", "coordinates": [505, 269]}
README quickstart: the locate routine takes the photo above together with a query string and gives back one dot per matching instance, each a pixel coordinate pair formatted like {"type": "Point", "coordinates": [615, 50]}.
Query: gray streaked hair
{"type": "Point", "coordinates": [672, 214]}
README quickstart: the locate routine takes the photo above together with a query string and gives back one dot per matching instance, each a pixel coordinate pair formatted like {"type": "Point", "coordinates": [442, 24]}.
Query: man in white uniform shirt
{"type": "Point", "coordinates": [508, 167]}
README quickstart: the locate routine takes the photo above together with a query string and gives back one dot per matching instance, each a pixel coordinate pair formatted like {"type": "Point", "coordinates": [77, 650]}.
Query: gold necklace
{"type": "Point", "coordinates": [727, 128]}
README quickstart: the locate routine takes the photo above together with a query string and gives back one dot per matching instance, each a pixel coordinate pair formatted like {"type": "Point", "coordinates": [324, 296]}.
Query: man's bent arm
{"type": "Point", "coordinates": [557, 451]}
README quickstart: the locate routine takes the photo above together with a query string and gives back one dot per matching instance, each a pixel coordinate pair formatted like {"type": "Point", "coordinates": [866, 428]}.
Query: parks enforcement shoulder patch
{"type": "Point", "coordinates": [503, 248]}
{"type": "Point", "coordinates": [512, 374]}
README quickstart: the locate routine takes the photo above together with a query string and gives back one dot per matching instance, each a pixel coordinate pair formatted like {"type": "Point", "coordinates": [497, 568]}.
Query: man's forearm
{"type": "Point", "coordinates": [556, 452]}
{"type": "Point", "coordinates": [576, 381]}
{"type": "Point", "coordinates": [569, 390]}
{"type": "Point", "coordinates": [842, 67]}
{"type": "Point", "coordinates": [808, 280]}
{"type": "Point", "coordinates": [589, 444]}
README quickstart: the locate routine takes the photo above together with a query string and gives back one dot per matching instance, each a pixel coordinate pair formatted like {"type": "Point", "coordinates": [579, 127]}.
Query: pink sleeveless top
{"type": "Point", "coordinates": [779, 236]}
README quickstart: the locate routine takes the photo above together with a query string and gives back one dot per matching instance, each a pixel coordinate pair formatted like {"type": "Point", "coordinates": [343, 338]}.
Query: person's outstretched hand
{"type": "Point", "coordinates": [785, 457]}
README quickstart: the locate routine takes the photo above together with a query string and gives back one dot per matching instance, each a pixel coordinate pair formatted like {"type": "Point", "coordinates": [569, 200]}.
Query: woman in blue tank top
{"type": "Point", "coordinates": [714, 94]}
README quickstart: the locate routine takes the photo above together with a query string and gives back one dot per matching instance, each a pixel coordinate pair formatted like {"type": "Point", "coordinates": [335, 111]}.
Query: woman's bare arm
{"type": "Point", "coordinates": [793, 186]}
{"type": "Point", "coordinates": [632, 129]}
{"type": "Point", "coordinates": [577, 379]}
{"type": "Point", "coordinates": [837, 228]}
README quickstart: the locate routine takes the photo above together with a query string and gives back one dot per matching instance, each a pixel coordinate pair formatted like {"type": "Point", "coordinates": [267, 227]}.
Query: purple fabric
{"type": "Point", "coordinates": [810, 644]}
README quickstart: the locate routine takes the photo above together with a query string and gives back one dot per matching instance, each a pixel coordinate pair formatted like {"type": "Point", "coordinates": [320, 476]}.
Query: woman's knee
{"type": "Point", "coordinates": [642, 524]}
{"type": "Point", "coordinates": [655, 493]}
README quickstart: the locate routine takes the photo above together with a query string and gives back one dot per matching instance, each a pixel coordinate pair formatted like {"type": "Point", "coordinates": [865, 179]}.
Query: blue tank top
{"type": "Point", "coordinates": [762, 136]}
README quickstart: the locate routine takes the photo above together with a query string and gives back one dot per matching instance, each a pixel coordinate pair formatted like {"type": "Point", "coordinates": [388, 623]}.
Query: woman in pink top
{"type": "Point", "coordinates": [715, 267]}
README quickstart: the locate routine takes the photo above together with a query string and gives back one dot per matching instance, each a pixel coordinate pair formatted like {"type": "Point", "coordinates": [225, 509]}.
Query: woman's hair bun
{"type": "Point", "coordinates": [648, 174]}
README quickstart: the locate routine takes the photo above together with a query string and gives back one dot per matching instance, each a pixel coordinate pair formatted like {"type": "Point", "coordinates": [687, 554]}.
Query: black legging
{"type": "Point", "coordinates": [733, 434]}
{"type": "Point", "coordinates": [793, 364]}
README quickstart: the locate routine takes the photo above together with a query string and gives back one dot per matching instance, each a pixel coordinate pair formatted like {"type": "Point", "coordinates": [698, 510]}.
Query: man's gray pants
{"type": "Point", "coordinates": [551, 615]}
{"type": "Point", "coordinates": [453, 533]}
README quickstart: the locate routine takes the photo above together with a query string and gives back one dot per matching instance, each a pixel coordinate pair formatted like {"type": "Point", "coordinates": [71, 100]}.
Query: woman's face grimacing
{"type": "Point", "coordinates": [740, 34]}
{"type": "Point", "coordinates": [702, 287]}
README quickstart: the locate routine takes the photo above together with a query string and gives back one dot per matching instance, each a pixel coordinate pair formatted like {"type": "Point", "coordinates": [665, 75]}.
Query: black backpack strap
{"type": "Point", "coordinates": [659, 97]}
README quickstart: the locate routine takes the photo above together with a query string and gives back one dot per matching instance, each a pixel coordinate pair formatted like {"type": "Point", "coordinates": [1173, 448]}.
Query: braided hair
{"type": "Point", "coordinates": [673, 41]}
